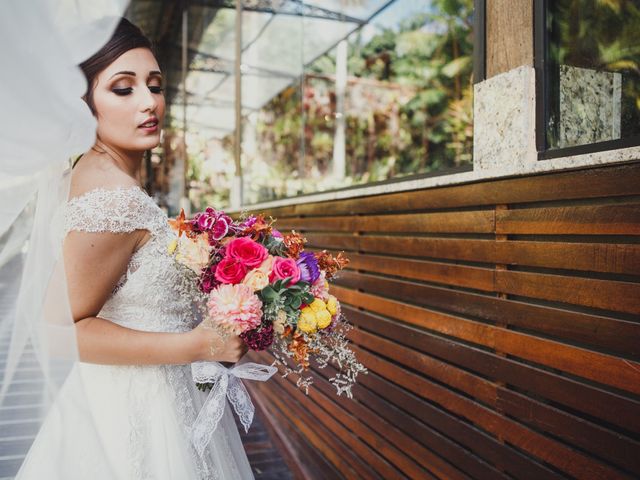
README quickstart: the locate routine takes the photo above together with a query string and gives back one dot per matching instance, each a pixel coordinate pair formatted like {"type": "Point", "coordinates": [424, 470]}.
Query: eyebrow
{"type": "Point", "coordinates": [128, 72]}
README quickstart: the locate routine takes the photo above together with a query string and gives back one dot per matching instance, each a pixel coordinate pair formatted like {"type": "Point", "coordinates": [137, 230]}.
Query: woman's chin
{"type": "Point", "coordinates": [148, 143]}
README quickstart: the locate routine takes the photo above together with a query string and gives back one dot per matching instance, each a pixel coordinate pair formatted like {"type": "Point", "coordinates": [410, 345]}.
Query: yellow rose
{"type": "Point", "coordinates": [193, 253]}
{"type": "Point", "coordinates": [323, 318]}
{"type": "Point", "coordinates": [172, 246]}
{"type": "Point", "coordinates": [332, 305]}
{"type": "Point", "coordinates": [307, 321]}
{"type": "Point", "coordinates": [317, 305]}
{"type": "Point", "coordinates": [256, 279]}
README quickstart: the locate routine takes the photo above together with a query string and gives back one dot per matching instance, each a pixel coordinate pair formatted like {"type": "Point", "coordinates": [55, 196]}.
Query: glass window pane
{"type": "Point", "coordinates": [333, 94]}
{"type": "Point", "coordinates": [380, 100]}
{"type": "Point", "coordinates": [594, 71]}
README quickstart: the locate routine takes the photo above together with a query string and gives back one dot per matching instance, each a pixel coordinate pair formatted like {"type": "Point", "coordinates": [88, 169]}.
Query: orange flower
{"type": "Point", "coordinates": [294, 243]}
{"type": "Point", "coordinates": [331, 264]}
{"type": "Point", "coordinates": [180, 225]}
{"type": "Point", "coordinates": [260, 228]}
{"type": "Point", "coordinates": [288, 330]}
{"type": "Point", "coordinates": [300, 351]}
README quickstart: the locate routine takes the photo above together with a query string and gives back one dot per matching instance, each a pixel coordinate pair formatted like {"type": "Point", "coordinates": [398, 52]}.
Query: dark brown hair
{"type": "Point", "coordinates": [126, 37]}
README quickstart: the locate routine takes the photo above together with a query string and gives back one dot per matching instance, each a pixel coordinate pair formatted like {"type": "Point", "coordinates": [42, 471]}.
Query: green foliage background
{"type": "Point", "coordinates": [429, 129]}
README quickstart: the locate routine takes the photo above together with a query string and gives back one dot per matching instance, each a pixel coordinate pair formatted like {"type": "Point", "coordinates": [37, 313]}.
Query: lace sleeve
{"type": "Point", "coordinates": [120, 210]}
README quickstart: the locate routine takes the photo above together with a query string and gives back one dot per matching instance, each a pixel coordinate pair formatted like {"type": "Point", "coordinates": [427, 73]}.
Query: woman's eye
{"type": "Point", "coordinates": [156, 89]}
{"type": "Point", "coordinates": [122, 91]}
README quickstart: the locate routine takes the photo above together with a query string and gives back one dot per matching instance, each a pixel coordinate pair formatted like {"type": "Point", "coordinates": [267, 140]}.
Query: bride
{"type": "Point", "coordinates": [126, 409]}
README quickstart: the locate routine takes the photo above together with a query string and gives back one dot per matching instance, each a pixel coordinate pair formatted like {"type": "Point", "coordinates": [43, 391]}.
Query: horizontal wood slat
{"type": "Point", "coordinates": [590, 292]}
{"type": "Point", "coordinates": [623, 336]}
{"type": "Point", "coordinates": [541, 447]}
{"type": "Point", "coordinates": [429, 416]}
{"type": "Point", "coordinates": [583, 433]}
{"type": "Point", "coordinates": [449, 222]}
{"type": "Point", "coordinates": [391, 431]}
{"type": "Point", "coordinates": [604, 182]}
{"type": "Point", "coordinates": [540, 382]}
{"type": "Point", "coordinates": [594, 257]}
{"type": "Point", "coordinates": [499, 321]}
{"type": "Point", "coordinates": [618, 219]}
{"type": "Point", "coordinates": [459, 275]}
{"type": "Point", "coordinates": [602, 294]}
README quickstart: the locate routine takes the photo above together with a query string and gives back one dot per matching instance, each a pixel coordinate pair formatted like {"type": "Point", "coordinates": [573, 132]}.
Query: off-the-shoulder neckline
{"type": "Point", "coordinates": [103, 189]}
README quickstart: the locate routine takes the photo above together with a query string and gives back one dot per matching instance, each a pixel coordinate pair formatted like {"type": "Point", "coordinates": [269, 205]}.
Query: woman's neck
{"type": "Point", "coordinates": [129, 162]}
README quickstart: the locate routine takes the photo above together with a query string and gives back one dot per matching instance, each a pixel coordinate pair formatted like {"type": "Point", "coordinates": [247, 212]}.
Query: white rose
{"type": "Point", "coordinates": [267, 265]}
{"type": "Point", "coordinates": [256, 279]}
{"type": "Point", "coordinates": [193, 252]}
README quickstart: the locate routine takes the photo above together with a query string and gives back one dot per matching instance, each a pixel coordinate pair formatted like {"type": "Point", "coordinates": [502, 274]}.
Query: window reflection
{"type": "Point", "coordinates": [334, 93]}
{"type": "Point", "coordinates": [392, 99]}
{"type": "Point", "coordinates": [594, 71]}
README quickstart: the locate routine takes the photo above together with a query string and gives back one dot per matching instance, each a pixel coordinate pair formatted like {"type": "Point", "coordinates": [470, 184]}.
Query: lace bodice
{"type": "Point", "coordinates": [155, 293]}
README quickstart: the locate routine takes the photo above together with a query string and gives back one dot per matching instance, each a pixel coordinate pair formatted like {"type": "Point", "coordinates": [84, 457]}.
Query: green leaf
{"type": "Point", "coordinates": [296, 302]}
{"type": "Point", "coordinates": [269, 294]}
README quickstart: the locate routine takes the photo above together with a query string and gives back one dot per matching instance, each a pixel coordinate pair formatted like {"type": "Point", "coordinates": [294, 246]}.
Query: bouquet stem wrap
{"type": "Point", "coordinates": [226, 384]}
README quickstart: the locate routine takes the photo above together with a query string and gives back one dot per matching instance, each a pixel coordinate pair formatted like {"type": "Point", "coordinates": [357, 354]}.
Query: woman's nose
{"type": "Point", "coordinates": [148, 100]}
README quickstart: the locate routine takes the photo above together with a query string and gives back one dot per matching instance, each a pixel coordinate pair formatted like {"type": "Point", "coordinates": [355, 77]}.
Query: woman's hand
{"type": "Point", "coordinates": [211, 345]}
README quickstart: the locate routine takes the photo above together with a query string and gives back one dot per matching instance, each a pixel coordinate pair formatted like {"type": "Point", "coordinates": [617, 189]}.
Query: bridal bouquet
{"type": "Point", "coordinates": [265, 287]}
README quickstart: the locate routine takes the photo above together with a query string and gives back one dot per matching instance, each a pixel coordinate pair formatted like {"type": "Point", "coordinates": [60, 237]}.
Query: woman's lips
{"type": "Point", "coordinates": [151, 129]}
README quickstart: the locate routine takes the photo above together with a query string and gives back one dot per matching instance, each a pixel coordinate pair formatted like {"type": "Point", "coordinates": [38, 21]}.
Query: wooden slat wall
{"type": "Point", "coordinates": [499, 321]}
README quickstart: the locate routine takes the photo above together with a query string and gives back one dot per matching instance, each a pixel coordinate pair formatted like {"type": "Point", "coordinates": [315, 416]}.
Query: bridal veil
{"type": "Point", "coordinates": [43, 124]}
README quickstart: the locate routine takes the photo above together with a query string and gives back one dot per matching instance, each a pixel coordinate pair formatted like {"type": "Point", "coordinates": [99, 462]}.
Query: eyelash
{"type": "Point", "coordinates": [127, 91]}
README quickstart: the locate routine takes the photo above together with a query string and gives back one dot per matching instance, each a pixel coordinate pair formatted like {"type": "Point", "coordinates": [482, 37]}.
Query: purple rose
{"type": "Point", "coordinates": [308, 265]}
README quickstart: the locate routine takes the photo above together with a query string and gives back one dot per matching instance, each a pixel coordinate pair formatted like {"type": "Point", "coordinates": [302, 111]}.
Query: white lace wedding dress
{"type": "Point", "coordinates": [133, 422]}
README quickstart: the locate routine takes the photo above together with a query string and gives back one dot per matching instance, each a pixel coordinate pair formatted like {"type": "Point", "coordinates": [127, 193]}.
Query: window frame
{"type": "Point", "coordinates": [542, 77]}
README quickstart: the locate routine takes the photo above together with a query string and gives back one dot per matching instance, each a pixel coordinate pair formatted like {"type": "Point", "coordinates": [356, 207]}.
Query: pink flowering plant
{"type": "Point", "coordinates": [265, 287]}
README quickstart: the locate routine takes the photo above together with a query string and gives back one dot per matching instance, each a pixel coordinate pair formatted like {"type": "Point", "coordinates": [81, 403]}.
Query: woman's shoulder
{"type": "Point", "coordinates": [87, 180]}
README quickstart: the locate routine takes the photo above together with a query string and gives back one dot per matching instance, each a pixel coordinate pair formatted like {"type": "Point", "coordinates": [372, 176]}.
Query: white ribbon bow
{"type": "Point", "coordinates": [226, 383]}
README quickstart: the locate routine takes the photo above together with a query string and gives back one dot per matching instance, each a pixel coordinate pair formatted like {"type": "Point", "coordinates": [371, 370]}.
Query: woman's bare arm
{"type": "Point", "coordinates": [102, 341]}
{"type": "Point", "coordinates": [94, 262]}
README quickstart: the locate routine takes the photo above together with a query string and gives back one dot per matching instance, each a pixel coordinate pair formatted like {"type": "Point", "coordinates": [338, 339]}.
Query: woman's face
{"type": "Point", "coordinates": [128, 94]}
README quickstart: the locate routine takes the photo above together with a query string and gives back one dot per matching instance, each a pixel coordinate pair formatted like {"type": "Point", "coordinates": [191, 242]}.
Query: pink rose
{"type": "Point", "coordinates": [283, 268]}
{"type": "Point", "coordinates": [249, 253]}
{"type": "Point", "coordinates": [230, 270]}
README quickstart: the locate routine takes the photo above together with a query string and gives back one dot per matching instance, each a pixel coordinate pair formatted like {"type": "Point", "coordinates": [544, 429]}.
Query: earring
{"type": "Point", "coordinates": [162, 136]}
